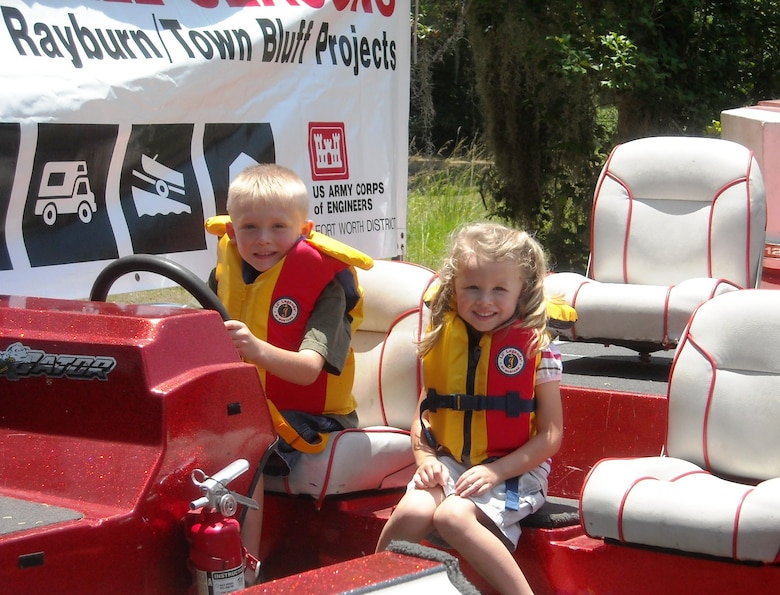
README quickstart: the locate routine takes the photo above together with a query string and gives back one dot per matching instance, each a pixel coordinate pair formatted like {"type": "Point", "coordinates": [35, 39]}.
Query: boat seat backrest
{"type": "Point", "coordinates": [682, 200]}
{"type": "Point", "coordinates": [378, 454]}
{"type": "Point", "coordinates": [724, 389]}
{"type": "Point", "coordinates": [387, 372]}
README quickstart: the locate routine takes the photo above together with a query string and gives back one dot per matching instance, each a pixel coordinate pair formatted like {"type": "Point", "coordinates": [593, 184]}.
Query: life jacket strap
{"type": "Point", "coordinates": [291, 435]}
{"type": "Point", "coordinates": [512, 486]}
{"type": "Point", "coordinates": [511, 403]}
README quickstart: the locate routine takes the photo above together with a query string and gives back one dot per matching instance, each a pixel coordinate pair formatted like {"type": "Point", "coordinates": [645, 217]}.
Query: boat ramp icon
{"type": "Point", "coordinates": [65, 189]}
{"type": "Point", "coordinates": [164, 181]}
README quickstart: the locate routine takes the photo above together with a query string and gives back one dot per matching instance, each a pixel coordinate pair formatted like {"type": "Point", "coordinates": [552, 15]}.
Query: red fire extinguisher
{"type": "Point", "coordinates": [217, 556]}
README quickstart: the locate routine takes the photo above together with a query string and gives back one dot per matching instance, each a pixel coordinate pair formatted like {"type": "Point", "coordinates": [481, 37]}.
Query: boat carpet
{"type": "Point", "coordinates": [21, 515]}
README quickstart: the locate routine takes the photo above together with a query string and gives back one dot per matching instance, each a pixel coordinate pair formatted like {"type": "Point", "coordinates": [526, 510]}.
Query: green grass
{"type": "Point", "coordinates": [167, 295]}
{"type": "Point", "coordinates": [443, 195]}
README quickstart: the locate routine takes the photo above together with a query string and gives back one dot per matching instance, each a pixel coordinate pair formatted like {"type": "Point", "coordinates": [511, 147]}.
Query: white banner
{"type": "Point", "coordinates": [122, 124]}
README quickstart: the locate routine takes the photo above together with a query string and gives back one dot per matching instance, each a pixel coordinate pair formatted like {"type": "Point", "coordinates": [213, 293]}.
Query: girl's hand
{"type": "Point", "coordinates": [476, 481]}
{"type": "Point", "coordinates": [431, 473]}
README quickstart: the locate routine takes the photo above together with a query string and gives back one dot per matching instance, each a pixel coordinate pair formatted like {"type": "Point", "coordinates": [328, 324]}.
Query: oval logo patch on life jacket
{"type": "Point", "coordinates": [510, 361]}
{"type": "Point", "coordinates": [285, 310]}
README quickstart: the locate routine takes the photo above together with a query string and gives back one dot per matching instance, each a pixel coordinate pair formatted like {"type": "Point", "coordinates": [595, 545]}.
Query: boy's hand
{"type": "Point", "coordinates": [244, 341]}
{"type": "Point", "coordinates": [431, 473]}
{"type": "Point", "coordinates": [477, 480]}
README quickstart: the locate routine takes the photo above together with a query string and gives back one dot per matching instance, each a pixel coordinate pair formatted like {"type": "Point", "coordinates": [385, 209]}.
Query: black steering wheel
{"type": "Point", "coordinates": [161, 266]}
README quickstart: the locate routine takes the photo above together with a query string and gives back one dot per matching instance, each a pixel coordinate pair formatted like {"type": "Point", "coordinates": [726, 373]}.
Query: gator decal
{"type": "Point", "coordinates": [20, 361]}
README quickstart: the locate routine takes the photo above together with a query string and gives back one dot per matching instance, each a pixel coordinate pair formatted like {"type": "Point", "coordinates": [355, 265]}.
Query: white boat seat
{"type": "Point", "coordinates": [675, 222]}
{"type": "Point", "coordinates": [378, 455]}
{"type": "Point", "coordinates": [717, 489]}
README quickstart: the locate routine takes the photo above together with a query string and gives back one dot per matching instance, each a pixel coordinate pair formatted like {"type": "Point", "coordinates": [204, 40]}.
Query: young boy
{"type": "Point", "coordinates": [294, 299]}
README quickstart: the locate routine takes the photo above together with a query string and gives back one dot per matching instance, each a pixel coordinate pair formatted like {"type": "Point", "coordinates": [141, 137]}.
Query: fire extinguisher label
{"type": "Point", "coordinates": [219, 583]}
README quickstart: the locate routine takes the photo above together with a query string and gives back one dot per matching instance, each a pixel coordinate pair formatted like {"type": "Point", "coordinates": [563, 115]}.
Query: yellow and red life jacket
{"type": "Point", "coordinates": [481, 409]}
{"type": "Point", "coordinates": [277, 305]}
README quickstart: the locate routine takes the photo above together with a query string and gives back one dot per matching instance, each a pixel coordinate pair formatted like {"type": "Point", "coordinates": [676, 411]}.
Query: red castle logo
{"type": "Point", "coordinates": [328, 151]}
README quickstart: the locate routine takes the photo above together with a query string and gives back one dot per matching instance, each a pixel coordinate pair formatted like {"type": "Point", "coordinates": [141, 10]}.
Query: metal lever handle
{"type": "Point", "coordinates": [215, 490]}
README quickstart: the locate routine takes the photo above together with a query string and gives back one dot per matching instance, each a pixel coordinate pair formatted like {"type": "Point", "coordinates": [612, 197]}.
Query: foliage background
{"type": "Point", "coordinates": [546, 89]}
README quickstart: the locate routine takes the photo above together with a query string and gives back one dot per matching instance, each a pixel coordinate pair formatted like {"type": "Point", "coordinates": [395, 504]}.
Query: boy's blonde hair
{"type": "Point", "coordinates": [495, 243]}
{"type": "Point", "coordinates": [269, 184]}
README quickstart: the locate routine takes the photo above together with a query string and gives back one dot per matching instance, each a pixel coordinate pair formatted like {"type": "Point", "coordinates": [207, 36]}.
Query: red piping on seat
{"type": "Point", "coordinates": [629, 215]}
{"type": "Point", "coordinates": [605, 173]}
{"type": "Point", "coordinates": [397, 320]}
{"type": "Point", "coordinates": [683, 339]}
{"type": "Point", "coordinates": [574, 305]}
{"type": "Point", "coordinates": [721, 281]}
{"type": "Point", "coordinates": [718, 194]}
{"type": "Point", "coordinates": [622, 506]}
{"type": "Point", "coordinates": [737, 517]}
{"type": "Point", "coordinates": [665, 340]}
{"type": "Point", "coordinates": [749, 226]}
{"type": "Point", "coordinates": [711, 390]}
{"type": "Point", "coordinates": [582, 490]}
{"type": "Point", "coordinates": [634, 484]}
{"type": "Point", "coordinates": [335, 440]}
{"type": "Point", "coordinates": [422, 305]}
{"type": "Point", "coordinates": [717, 283]}
{"type": "Point", "coordinates": [421, 329]}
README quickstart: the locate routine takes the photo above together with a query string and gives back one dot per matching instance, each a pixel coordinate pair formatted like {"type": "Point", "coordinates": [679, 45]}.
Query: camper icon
{"type": "Point", "coordinates": [65, 189]}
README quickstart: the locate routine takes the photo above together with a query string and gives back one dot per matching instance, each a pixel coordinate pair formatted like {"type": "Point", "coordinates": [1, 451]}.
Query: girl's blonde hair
{"type": "Point", "coordinates": [495, 243]}
{"type": "Point", "coordinates": [268, 184]}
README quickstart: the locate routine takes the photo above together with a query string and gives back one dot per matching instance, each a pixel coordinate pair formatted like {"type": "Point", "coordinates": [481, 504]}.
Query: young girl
{"type": "Point", "coordinates": [489, 416]}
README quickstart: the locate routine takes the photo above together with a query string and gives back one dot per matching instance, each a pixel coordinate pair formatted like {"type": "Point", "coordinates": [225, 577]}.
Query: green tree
{"type": "Point", "coordinates": [561, 82]}
{"type": "Point", "coordinates": [541, 119]}
{"type": "Point", "coordinates": [671, 67]}
{"type": "Point", "coordinates": [444, 104]}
